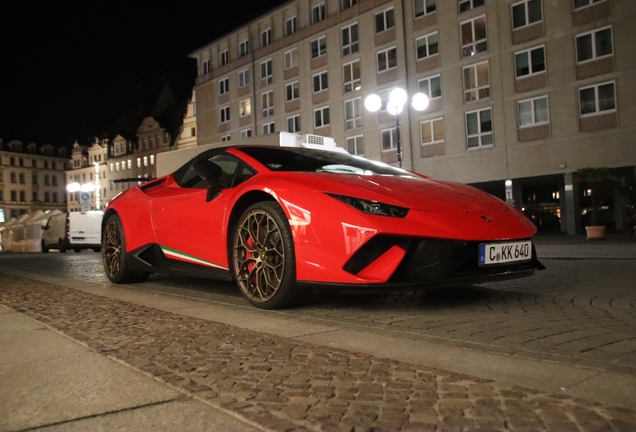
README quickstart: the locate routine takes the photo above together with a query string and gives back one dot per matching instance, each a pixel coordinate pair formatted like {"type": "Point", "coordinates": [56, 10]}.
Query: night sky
{"type": "Point", "coordinates": [67, 73]}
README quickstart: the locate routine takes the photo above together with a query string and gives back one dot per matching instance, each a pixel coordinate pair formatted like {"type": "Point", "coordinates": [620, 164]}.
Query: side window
{"type": "Point", "coordinates": [230, 175]}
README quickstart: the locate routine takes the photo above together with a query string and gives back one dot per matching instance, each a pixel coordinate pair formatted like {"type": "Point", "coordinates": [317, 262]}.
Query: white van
{"type": "Point", "coordinates": [73, 230]}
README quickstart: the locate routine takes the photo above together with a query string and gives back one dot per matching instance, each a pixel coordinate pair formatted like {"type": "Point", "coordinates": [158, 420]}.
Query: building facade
{"type": "Point", "coordinates": [31, 179]}
{"type": "Point", "coordinates": [523, 93]}
{"type": "Point", "coordinates": [106, 168]}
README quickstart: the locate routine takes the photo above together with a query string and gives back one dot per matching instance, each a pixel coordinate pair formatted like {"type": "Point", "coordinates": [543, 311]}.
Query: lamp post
{"type": "Point", "coordinates": [395, 106]}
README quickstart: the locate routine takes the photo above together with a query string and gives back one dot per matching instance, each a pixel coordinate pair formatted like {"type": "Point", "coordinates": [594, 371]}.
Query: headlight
{"type": "Point", "coordinates": [372, 207]}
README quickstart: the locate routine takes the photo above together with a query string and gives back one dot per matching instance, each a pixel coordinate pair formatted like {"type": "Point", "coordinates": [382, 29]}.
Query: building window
{"type": "Point", "coordinates": [349, 39]}
{"type": "Point", "coordinates": [292, 91]}
{"type": "Point", "coordinates": [243, 77]}
{"type": "Point", "coordinates": [152, 159]}
{"type": "Point", "coordinates": [205, 67]}
{"type": "Point", "coordinates": [224, 57]}
{"type": "Point", "coordinates": [474, 36]}
{"type": "Point", "coordinates": [12, 162]}
{"type": "Point", "coordinates": [34, 178]}
{"type": "Point", "coordinates": [427, 46]}
{"type": "Point", "coordinates": [266, 37]}
{"type": "Point", "coordinates": [431, 87]}
{"type": "Point", "coordinates": [267, 103]}
{"type": "Point", "coordinates": [55, 197]}
{"type": "Point", "coordinates": [432, 131]}
{"type": "Point", "coordinates": [224, 86]}
{"type": "Point", "coordinates": [34, 196]}
{"type": "Point", "coordinates": [111, 168]}
{"type": "Point", "coordinates": [291, 58]}
{"type": "Point", "coordinates": [351, 76]}
{"type": "Point", "coordinates": [387, 59]}
{"type": "Point", "coordinates": [318, 13]}
{"type": "Point", "coordinates": [13, 196]}
{"type": "Point", "coordinates": [245, 107]}
{"type": "Point", "coordinates": [268, 128]}
{"type": "Point", "coordinates": [525, 13]}
{"type": "Point", "coordinates": [246, 133]}
{"type": "Point", "coordinates": [593, 45]}
{"type": "Point", "coordinates": [138, 164]}
{"type": "Point", "coordinates": [353, 113]}
{"type": "Point", "coordinates": [424, 7]}
{"type": "Point", "coordinates": [355, 145]}
{"type": "Point", "coordinates": [384, 20]}
{"type": "Point", "coordinates": [293, 124]}
{"type": "Point", "coordinates": [145, 161]}
{"type": "Point", "coordinates": [224, 114]}
{"type": "Point", "coordinates": [476, 82]}
{"type": "Point", "coordinates": [12, 177]}
{"type": "Point", "coordinates": [23, 196]}
{"type": "Point", "coordinates": [479, 128]}
{"type": "Point", "coordinates": [584, 3]}
{"type": "Point", "coordinates": [346, 4]}
{"type": "Point", "coordinates": [597, 99]}
{"type": "Point", "coordinates": [319, 47]}
{"type": "Point", "coordinates": [321, 117]}
{"type": "Point", "coordinates": [243, 48]}
{"type": "Point", "coordinates": [388, 138]}
{"type": "Point", "coordinates": [291, 26]}
{"type": "Point", "coordinates": [54, 180]}
{"type": "Point", "coordinates": [225, 138]}
{"type": "Point", "coordinates": [267, 74]}
{"type": "Point", "coordinates": [465, 5]}
{"type": "Point", "coordinates": [116, 168]}
{"type": "Point", "coordinates": [533, 112]}
{"type": "Point", "coordinates": [320, 82]}
{"type": "Point", "coordinates": [530, 62]}
{"type": "Point", "coordinates": [23, 181]}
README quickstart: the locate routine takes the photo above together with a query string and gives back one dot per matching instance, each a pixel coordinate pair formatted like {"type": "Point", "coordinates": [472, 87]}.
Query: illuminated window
{"type": "Point", "coordinates": [432, 131]}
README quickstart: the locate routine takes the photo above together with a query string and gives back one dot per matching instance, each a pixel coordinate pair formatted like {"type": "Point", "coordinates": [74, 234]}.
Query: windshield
{"type": "Point", "coordinates": [309, 160]}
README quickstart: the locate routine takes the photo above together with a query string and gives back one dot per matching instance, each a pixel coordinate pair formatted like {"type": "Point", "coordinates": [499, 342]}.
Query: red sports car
{"type": "Point", "coordinates": [281, 220]}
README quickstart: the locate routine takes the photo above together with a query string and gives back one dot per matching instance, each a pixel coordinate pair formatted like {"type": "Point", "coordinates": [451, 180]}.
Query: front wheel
{"type": "Point", "coordinates": [263, 262]}
{"type": "Point", "coordinates": [44, 248]}
{"type": "Point", "coordinates": [114, 254]}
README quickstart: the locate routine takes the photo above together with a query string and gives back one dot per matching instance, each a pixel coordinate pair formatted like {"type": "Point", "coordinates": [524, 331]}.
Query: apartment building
{"type": "Point", "coordinates": [522, 93]}
{"type": "Point", "coordinates": [87, 177]}
{"type": "Point", "coordinates": [31, 179]}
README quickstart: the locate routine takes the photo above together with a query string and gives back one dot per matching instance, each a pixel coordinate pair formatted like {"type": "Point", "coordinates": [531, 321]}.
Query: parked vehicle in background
{"type": "Point", "coordinates": [74, 231]}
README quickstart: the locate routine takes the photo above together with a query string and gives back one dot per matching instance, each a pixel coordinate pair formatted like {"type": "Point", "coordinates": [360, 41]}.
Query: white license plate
{"type": "Point", "coordinates": [500, 253]}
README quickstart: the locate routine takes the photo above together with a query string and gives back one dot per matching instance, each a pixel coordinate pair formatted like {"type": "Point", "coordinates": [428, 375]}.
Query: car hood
{"type": "Point", "coordinates": [412, 192]}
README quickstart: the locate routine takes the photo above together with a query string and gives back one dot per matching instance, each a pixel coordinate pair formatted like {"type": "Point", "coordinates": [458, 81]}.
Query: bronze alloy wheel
{"type": "Point", "coordinates": [263, 257]}
{"type": "Point", "coordinates": [114, 254]}
{"type": "Point", "coordinates": [112, 248]}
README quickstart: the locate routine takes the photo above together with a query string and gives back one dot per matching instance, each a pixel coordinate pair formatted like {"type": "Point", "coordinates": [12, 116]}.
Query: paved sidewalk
{"type": "Point", "coordinates": [80, 357]}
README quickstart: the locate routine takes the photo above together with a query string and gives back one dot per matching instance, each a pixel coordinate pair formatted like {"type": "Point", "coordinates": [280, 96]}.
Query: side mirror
{"type": "Point", "coordinates": [45, 227]}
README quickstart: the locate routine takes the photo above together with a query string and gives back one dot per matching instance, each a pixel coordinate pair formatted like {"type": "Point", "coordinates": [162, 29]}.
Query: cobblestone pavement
{"type": "Point", "coordinates": [575, 312]}
{"type": "Point", "coordinates": [289, 385]}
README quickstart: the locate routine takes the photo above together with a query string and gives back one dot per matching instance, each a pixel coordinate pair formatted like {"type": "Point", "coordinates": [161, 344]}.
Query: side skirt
{"type": "Point", "coordinates": [151, 259]}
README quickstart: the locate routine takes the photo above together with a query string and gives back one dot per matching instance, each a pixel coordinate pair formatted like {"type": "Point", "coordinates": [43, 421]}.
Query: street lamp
{"type": "Point", "coordinates": [395, 106]}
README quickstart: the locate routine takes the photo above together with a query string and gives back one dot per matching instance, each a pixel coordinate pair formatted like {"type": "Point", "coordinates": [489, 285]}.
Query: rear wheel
{"type": "Point", "coordinates": [114, 254]}
{"type": "Point", "coordinates": [263, 261]}
{"type": "Point", "coordinates": [61, 246]}
{"type": "Point", "coordinates": [77, 250]}
{"type": "Point", "coordinates": [44, 248]}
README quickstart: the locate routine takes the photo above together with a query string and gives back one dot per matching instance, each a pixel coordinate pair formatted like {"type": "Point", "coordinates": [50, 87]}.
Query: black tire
{"type": "Point", "coordinates": [97, 249]}
{"type": "Point", "coordinates": [61, 246]}
{"type": "Point", "coordinates": [114, 254]}
{"type": "Point", "coordinates": [77, 250]}
{"type": "Point", "coordinates": [263, 261]}
{"type": "Point", "coordinates": [44, 248]}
